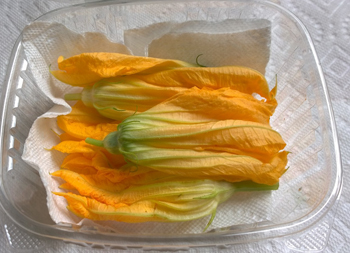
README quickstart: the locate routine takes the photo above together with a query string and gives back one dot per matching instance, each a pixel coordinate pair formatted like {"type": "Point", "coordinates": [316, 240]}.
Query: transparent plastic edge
{"type": "Point", "coordinates": [264, 232]}
{"type": "Point", "coordinates": [4, 97]}
{"type": "Point", "coordinates": [336, 192]}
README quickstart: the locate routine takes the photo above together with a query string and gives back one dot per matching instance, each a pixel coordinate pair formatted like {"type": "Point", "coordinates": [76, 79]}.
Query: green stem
{"type": "Point", "coordinates": [210, 221]}
{"type": "Point", "coordinates": [94, 142]}
{"type": "Point", "coordinates": [72, 96]}
{"type": "Point", "coordinates": [200, 65]}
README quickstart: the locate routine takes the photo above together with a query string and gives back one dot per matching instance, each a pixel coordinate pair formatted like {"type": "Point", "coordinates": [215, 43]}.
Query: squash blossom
{"type": "Point", "coordinates": [190, 140]}
{"type": "Point", "coordinates": [120, 97]}
{"type": "Point", "coordinates": [167, 201]}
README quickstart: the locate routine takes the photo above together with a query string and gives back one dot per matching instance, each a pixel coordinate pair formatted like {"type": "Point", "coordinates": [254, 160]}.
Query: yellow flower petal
{"type": "Point", "coordinates": [87, 68]}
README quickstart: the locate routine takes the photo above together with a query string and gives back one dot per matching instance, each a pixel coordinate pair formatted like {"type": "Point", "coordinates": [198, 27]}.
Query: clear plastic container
{"type": "Point", "coordinates": [304, 117]}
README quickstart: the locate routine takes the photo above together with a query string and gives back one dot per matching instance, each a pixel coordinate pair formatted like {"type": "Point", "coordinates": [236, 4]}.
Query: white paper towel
{"type": "Point", "coordinates": [228, 42]}
{"type": "Point", "coordinates": [44, 42]}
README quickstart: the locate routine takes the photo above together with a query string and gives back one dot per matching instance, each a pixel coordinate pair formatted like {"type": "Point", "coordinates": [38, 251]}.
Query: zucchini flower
{"type": "Point", "coordinates": [196, 140]}
{"type": "Point", "coordinates": [120, 97]}
{"type": "Point", "coordinates": [182, 199]}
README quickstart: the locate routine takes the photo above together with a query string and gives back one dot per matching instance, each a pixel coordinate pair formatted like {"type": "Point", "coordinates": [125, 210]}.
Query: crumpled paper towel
{"type": "Point", "coordinates": [44, 42]}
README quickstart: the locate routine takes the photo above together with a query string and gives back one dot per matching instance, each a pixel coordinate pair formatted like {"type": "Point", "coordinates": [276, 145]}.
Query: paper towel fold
{"type": "Point", "coordinates": [231, 42]}
{"type": "Point", "coordinates": [241, 42]}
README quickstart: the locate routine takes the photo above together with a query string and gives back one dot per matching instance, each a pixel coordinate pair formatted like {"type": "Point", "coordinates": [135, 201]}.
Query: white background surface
{"type": "Point", "coordinates": [328, 22]}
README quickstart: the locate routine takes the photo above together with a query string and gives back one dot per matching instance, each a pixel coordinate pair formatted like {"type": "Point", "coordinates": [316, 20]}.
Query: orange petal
{"type": "Point", "coordinates": [243, 79]}
{"type": "Point", "coordinates": [81, 130]}
{"type": "Point", "coordinates": [75, 147]}
{"type": "Point", "coordinates": [203, 105]}
{"type": "Point", "coordinates": [85, 114]}
{"type": "Point", "coordinates": [78, 163]}
{"type": "Point", "coordinates": [68, 137]}
{"type": "Point", "coordinates": [85, 122]}
{"type": "Point", "coordinates": [87, 68]}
